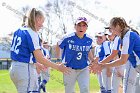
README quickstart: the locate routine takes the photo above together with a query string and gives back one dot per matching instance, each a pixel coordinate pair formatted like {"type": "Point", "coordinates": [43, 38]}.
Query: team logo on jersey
{"type": "Point", "coordinates": [79, 48]}
{"type": "Point", "coordinates": [88, 42]}
{"type": "Point", "coordinates": [71, 41]}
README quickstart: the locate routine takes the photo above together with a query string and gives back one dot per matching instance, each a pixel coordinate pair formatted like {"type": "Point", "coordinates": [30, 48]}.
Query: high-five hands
{"type": "Point", "coordinates": [63, 68]}
{"type": "Point", "coordinates": [96, 68]}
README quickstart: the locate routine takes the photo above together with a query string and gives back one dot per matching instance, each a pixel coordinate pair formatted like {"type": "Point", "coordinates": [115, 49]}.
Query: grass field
{"type": "Point", "coordinates": [55, 85]}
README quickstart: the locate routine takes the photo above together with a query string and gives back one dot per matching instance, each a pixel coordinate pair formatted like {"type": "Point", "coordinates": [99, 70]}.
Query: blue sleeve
{"type": "Point", "coordinates": [62, 43]}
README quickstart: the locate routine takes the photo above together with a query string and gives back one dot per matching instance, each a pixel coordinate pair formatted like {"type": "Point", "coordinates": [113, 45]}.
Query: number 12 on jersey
{"type": "Point", "coordinates": [16, 43]}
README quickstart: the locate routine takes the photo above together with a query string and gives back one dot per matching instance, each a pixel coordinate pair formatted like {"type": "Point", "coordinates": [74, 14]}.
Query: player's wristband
{"type": "Point", "coordinates": [59, 60]}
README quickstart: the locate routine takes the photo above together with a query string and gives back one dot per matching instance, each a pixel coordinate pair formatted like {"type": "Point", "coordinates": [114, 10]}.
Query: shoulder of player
{"type": "Point", "coordinates": [89, 37]}
{"type": "Point", "coordinates": [116, 39]}
{"type": "Point", "coordinates": [20, 30]}
{"type": "Point", "coordinates": [31, 32]}
{"type": "Point", "coordinates": [105, 43]}
{"type": "Point", "coordinates": [27, 30]}
{"type": "Point", "coordinates": [69, 35]}
{"type": "Point", "coordinates": [131, 34]}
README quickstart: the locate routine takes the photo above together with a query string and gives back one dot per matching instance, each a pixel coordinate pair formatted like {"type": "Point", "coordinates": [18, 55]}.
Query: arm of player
{"type": "Point", "coordinates": [94, 66]}
{"type": "Point", "coordinates": [110, 57]}
{"type": "Point", "coordinates": [58, 53]}
{"type": "Point", "coordinates": [43, 60]}
{"type": "Point", "coordinates": [40, 67]}
{"type": "Point", "coordinates": [122, 60]}
{"type": "Point", "coordinates": [90, 56]}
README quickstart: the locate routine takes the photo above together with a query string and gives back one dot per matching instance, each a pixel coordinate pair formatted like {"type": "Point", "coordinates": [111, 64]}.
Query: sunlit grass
{"type": "Point", "coordinates": [55, 85]}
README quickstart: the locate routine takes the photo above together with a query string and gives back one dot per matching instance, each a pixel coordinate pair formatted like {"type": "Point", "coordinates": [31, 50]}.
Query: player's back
{"type": "Point", "coordinates": [23, 45]}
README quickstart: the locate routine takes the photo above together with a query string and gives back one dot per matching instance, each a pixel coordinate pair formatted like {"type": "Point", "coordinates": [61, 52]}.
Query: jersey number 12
{"type": "Point", "coordinates": [16, 43]}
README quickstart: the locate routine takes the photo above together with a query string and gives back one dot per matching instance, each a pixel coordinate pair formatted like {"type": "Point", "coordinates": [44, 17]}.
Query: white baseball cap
{"type": "Point", "coordinates": [99, 34]}
{"type": "Point", "coordinates": [81, 19]}
{"type": "Point", "coordinates": [107, 32]}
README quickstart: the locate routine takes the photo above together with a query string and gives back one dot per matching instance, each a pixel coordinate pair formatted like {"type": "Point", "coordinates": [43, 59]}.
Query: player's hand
{"type": "Point", "coordinates": [96, 68]}
{"type": "Point", "coordinates": [63, 68]}
{"type": "Point", "coordinates": [92, 67]}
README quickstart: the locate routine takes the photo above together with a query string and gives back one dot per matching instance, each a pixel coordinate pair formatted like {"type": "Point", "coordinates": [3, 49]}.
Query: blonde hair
{"type": "Point", "coordinates": [121, 22]}
{"type": "Point", "coordinates": [32, 16]}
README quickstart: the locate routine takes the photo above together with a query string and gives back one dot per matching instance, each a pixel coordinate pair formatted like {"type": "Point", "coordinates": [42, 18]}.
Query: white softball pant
{"type": "Point", "coordinates": [82, 76]}
{"type": "Point", "coordinates": [106, 80]}
{"type": "Point", "coordinates": [129, 81]}
{"type": "Point", "coordinates": [45, 75]}
{"type": "Point", "coordinates": [137, 90]}
{"type": "Point", "coordinates": [116, 80]}
{"type": "Point", "coordinates": [24, 77]}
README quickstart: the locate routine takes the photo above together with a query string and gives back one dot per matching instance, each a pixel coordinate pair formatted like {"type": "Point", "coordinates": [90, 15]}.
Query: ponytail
{"type": "Point", "coordinates": [34, 13]}
{"type": "Point", "coordinates": [24, 20]}
{"type": "Point", "coordinates": [31, 19]}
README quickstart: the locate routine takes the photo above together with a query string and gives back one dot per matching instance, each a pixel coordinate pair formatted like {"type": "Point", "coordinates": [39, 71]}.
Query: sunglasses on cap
{"type": "Point", "coordinates": [82, 18]}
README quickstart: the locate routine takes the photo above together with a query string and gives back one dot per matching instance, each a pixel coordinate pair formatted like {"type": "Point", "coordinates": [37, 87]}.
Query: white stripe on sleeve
{"type": "Point", "coordinates": [116, 41]}
{"type": "Point", "coordinates": [106, 47]}
{"type": "Point", "coordinates": [126, 41]}
{"type": "Point", "coordinates": [35, 38]}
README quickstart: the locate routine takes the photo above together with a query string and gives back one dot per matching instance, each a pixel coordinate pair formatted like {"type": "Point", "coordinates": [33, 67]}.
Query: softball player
{"type": "Point", "coordinates": [76, 51]}
{"type": "Point", "coordinates": [118, 74]}
{"type": "Point", "coordinates": [45, 73]}
{"type": "Point", "coordinates": [103, 51]}
{"type": "Point", "coordinates": [100, 80]}
{"type": "Point", "coordinates": [130, 51]}
{"type": "Point", "coordinates": [25, 51]}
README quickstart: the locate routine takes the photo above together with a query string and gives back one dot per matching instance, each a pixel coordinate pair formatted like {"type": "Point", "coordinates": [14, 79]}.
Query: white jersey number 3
{"type": "Point", "coordinates": [16, 43]}
{"type": "Point", "coordinates": [79, 56]}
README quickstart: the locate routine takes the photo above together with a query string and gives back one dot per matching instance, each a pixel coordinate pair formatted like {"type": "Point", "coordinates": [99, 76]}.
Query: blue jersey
{"type": "Point", "coordinates": [75, 50]}
{"type": "Point", "coordinates": [104, 50]}
{"type": "Point", "coordinates": [24, 42]}
{"type": "Point", "coordinates": [131, 46]}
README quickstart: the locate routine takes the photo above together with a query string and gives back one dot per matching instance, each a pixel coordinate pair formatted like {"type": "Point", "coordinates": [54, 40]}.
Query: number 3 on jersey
{"type": "Point", "coordinates": [16, 43]}
{"type": "Point", "coordinates": [79, 56]}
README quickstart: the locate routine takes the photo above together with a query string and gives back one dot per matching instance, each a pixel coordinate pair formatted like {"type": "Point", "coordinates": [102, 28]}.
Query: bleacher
{"type": "Point", "coordinates": [5, 63]}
